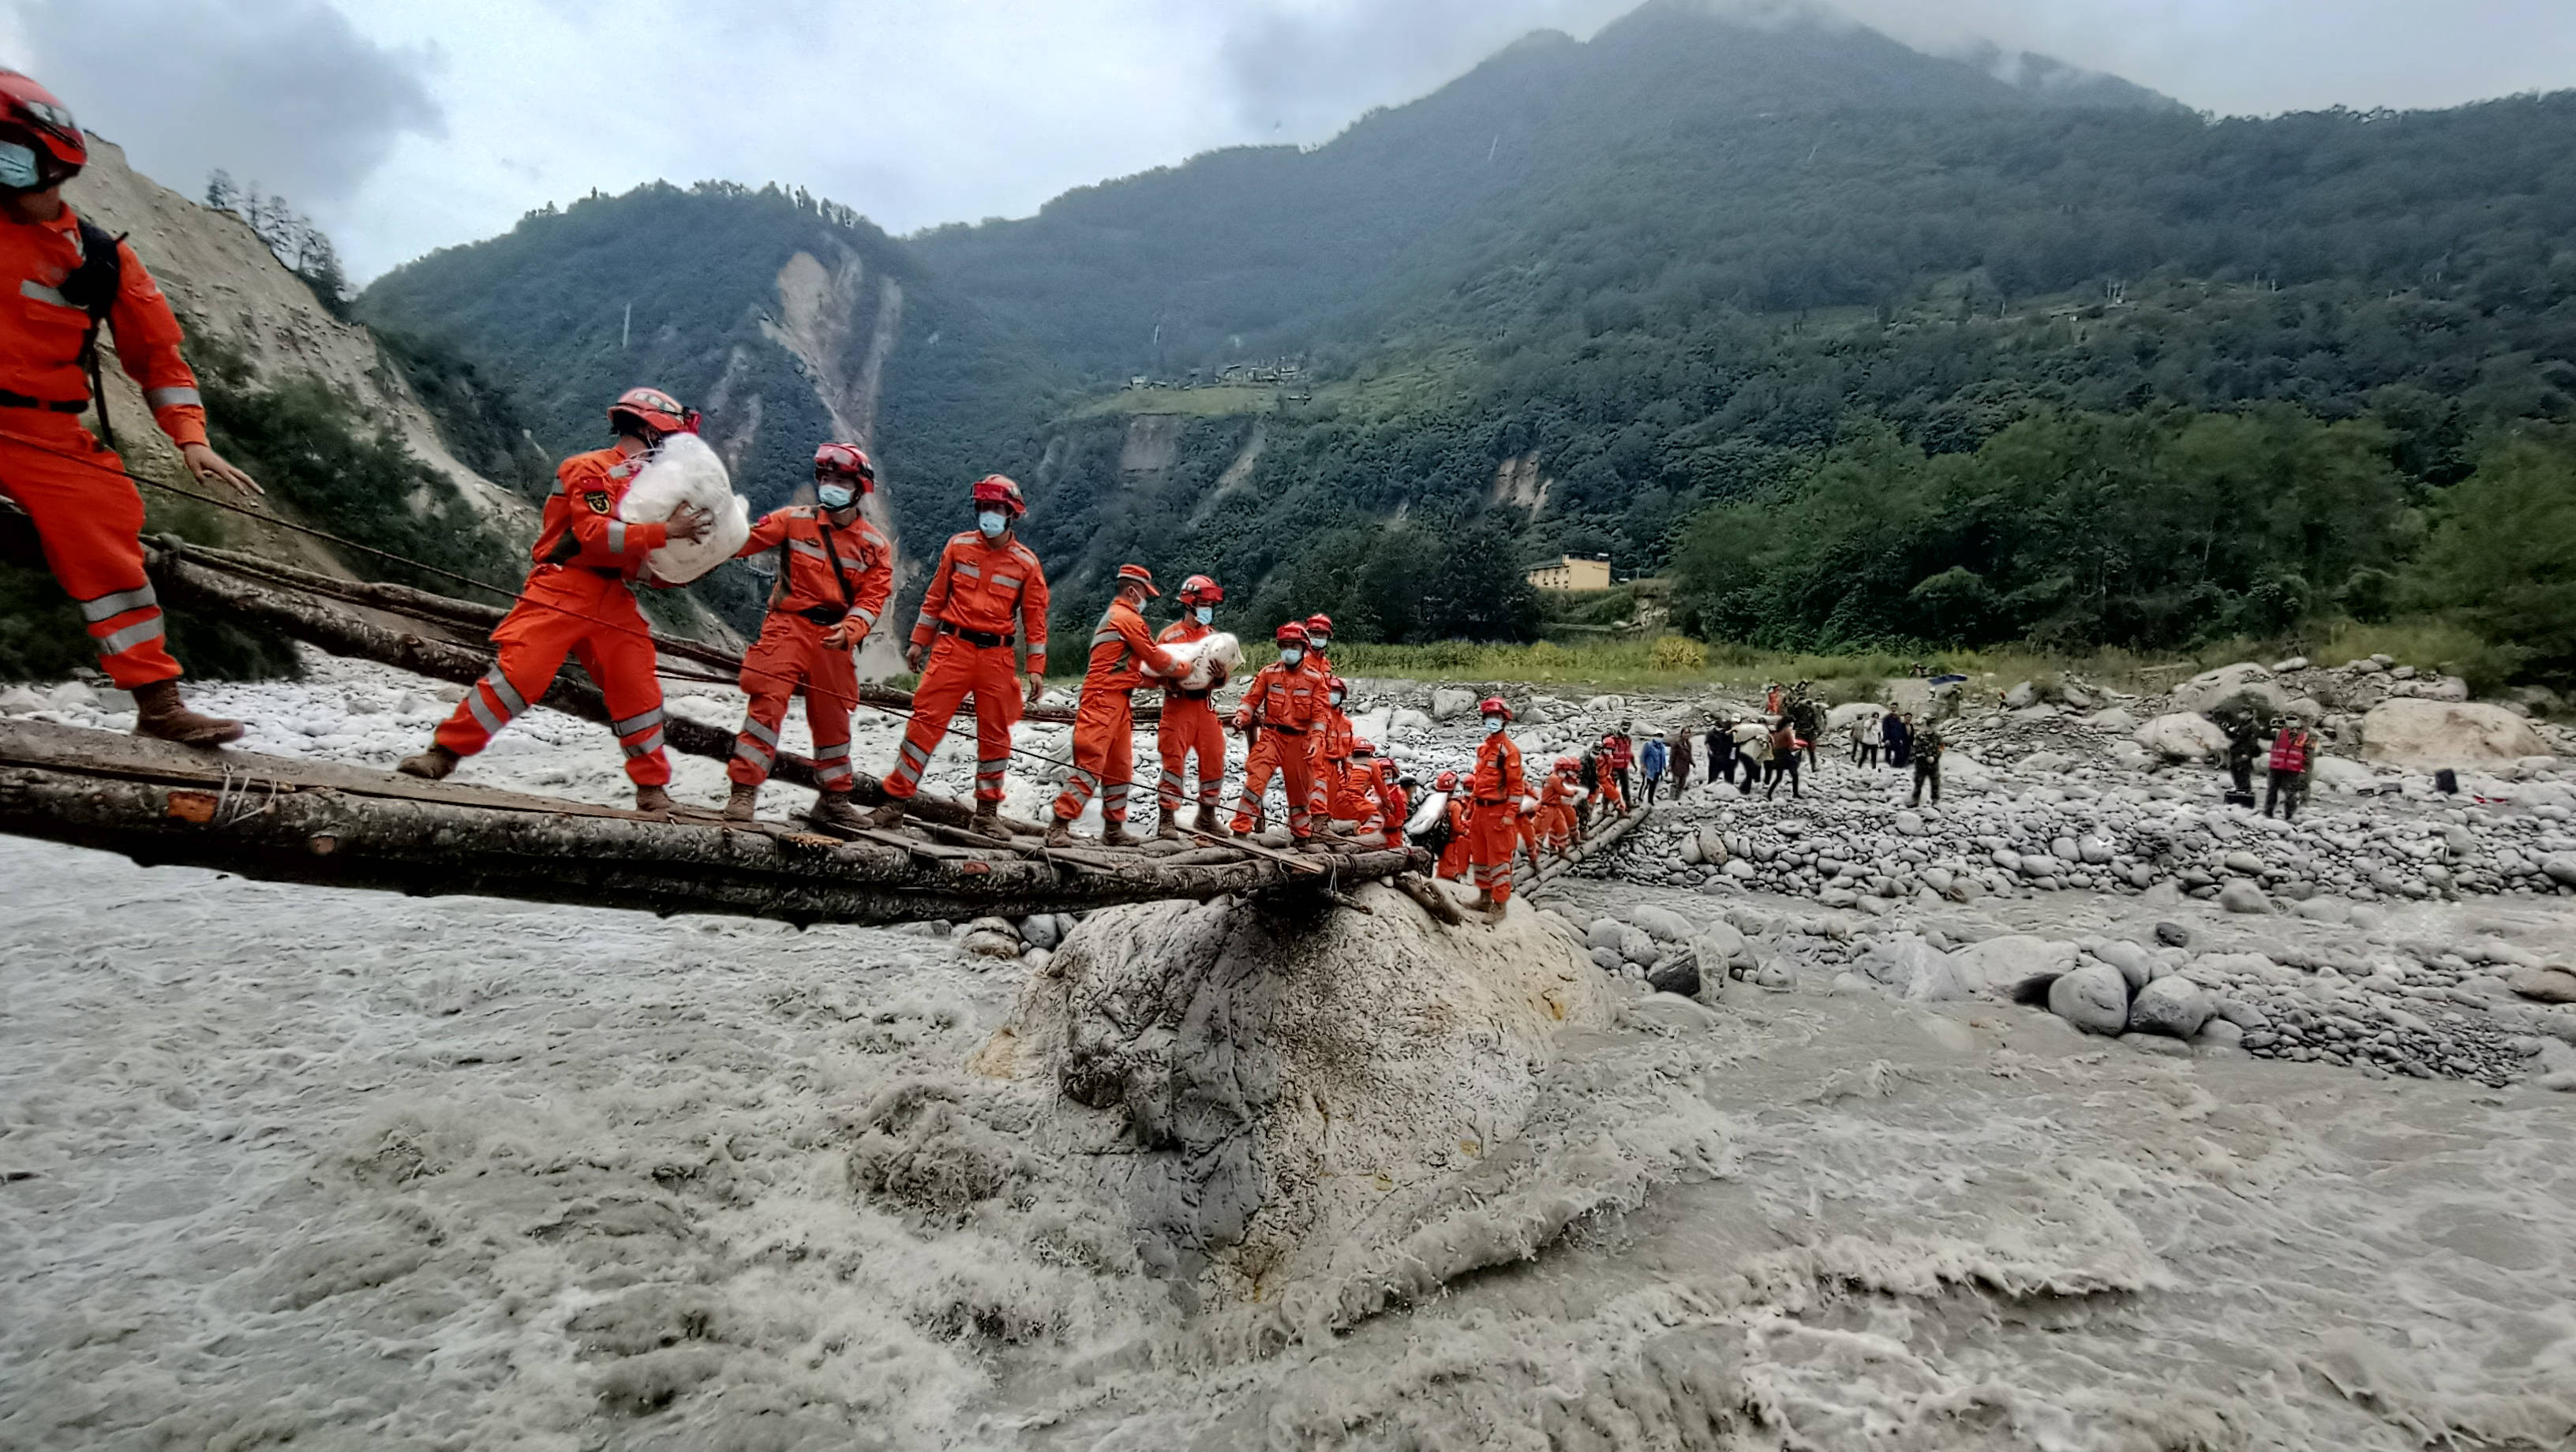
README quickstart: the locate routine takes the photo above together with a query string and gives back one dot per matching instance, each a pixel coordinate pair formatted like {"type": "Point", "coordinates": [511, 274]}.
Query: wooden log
{"type": "Point", "coordinates": [293, 821]}
{"type": "Point", "coordinates": [1590, 847]}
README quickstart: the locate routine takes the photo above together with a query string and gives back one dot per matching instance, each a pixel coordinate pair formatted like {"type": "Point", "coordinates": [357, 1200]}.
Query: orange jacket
{"type": "Point", "coordinates": [1498, 771]}
{"type": "Point", "coordinates": [1282, 696]}
{"type": "Point", "coordinates": [1333, 734]}
{"type": "Point", "coordinates": [809, 582]}
{"type": "Point", "coordinates": [1556, 791]}
{"type": "Point", "coordinates": [580, 526]}
{"type": "Point", "coordinates": [1123, 650]}
{"type": "Point", "coordinates": [1184, 631]}
{"type": "Point", "coordinates": [997, 589]}
{"type": "Point", "coordinates": [1399, 806]}
{"type": "Point", "coordinates": [40, 333]}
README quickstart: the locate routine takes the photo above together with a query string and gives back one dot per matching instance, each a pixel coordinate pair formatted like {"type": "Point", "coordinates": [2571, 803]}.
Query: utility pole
{"type": "Point", "coordinates": [626, 330]}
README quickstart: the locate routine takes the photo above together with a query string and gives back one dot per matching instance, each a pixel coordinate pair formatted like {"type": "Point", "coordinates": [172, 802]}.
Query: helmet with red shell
{"type": "Point", "coordinates": [1493, 706]}
{"type": "Point", "coordinates": [1003, 490]}
{"type": "Point", "coordinates": [1291, 633]}
{"type": "Point", "coordinates": [653, 410]}
{"type": "Point", "coordinates": [1446, 781]}
{"type": "Point", "coordinates": [1200, 590]}
{"type": "Point", "coordinates": [845, 461]}
{"type": "Point", "coordinates": [28, 110]}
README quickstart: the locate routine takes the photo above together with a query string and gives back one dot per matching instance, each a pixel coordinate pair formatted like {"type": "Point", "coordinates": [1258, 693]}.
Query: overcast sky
{"type": "Point", "coordinates": [405, 125]}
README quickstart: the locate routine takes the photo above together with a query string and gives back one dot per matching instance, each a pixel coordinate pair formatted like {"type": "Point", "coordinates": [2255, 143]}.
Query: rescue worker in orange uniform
{"type": "Point", "coordinates": [987, 595]}
{"type": "Point", "coordinates": [580, 601]}
{"type": "Point", "coordinates": [1123, 657]}
{"type": "Point", "coordinates": [1356, 798]}
{"type": "Point", "coordinates": [1613, 766]}
{"type": "Point", "coordinates": [1261, 758]}
{"type": "Point", "coordinates": [1453, 854]}
{"type": "Point", "coordinates": [1497, 788]}
{"type": "Point", "coordinates": [1189, 724]}
{"type": "Point", "coordinates": [835, 571]}
{"type": "Point", "coordinates": [66, 277]}
{"type": "Point", "coordinates": [1395, 796]}
{"type": "Point", "coordinates": [1332, 738]}
{"type": "Point", "coordinates": [1284, 701]}
{"type": "Point", "coordinates": [1556, 798]}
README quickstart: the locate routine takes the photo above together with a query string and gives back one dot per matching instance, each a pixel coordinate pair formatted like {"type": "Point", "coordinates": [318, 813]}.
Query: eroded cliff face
{"type": "Point", "coordinates": [227, 289]}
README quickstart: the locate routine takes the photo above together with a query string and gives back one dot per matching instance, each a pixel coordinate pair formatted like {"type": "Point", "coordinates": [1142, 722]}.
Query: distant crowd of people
{"type": "Point", "coordinates": [1782, 743]}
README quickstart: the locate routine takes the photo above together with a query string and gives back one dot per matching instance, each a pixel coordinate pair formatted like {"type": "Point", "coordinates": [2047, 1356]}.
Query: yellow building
{"type": "Point", "coordinates": [1569, 573]}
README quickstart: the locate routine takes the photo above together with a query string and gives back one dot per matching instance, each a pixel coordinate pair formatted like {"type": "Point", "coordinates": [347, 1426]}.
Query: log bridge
{"type": "Point", "coordinates": [341, 826]}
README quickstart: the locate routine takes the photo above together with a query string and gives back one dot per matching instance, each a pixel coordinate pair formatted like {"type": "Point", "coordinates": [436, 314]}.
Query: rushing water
{"type": "Point", "coordinates": [352, 1170]}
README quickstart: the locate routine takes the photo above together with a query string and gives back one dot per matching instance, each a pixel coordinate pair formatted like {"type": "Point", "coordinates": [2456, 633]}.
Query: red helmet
{"type": "Point", "coordinates": [1331, 683]}
{"type": "Point", "coordinates": [28, 107]}
{"type": "Point", "coordinates": [849, 461]}
{"type": "Point", "coordinates": [1493, 706]}
{"type": "Point", "coordinates": [1361, 747]}
{"type": "Point", "coordinates": [1319, 623]}
{"type": "Point", "coordinates": [1568, 763]}
{"type": "Point", "coordinates": [1003, 490]}
{"type": "Point", "coordinates": [1138, 575]}
{"type": "Point", "coordinates": [1291, 633]}
{"type": "Point", "coordinates": [655, 410]}
{"type": "Point", "coordinates": [1446, 781]}
{"type": "Point", "coordinates": [1200, 590]}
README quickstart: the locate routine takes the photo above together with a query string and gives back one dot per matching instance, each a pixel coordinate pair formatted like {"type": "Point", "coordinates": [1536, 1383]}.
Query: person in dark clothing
{"type": "Point", "coordinates": [2244, 743]}
{"type": "Point", "coordinates": [1897, 732]}
{"type": "Point", "coordinates": [1680, 755]}
{"type": "Point", "coordinates": [1721, 753]}
{"type": "Point", "coordinates": [1591, 769]}
{"type": "Point", "coordinates": [1927, 764]}
{"type": "Point", "coordinates": [1784, 758]}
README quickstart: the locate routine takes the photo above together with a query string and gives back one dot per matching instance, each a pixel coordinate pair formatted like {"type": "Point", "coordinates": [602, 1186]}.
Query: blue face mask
{"type": "Point", "coordinates": [992, 522]}
{"type": "Point", "coordinates": [1291, 654]}
{"type": "Point", "coordinates": [18, 170]}
{"type": "Point", "coordinates": [834, 496]}
{"type": "Point", "coordinates": [1206, 613]}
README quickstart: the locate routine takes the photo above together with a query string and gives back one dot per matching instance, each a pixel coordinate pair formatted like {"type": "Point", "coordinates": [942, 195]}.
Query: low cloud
{"type": "Point", "coordinates": [1302, 69]}
{"type": "Point", "coordinates": [284, 92]}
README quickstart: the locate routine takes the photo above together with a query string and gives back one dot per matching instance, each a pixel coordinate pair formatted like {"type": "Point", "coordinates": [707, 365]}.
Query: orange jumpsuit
{"type": "Point", "coordinates": [1391, 797]}
{"type": "Point", "coordinates": [86, 512]}
{"type": "Point", "coordinates": [828, 577]}
{"type": "Point", "coordinates": [579, 601]}
{"type": "Point", "coordinates": [1356, 798]}
{"type": "Point", "coordinates": [1453, 858]}
{"type": "Point", "coordinates": [1332, 740]}
{"type": "Point", "coordinates": [1497, 787]}
{"type": "Point", "coordinates": [1284, 702]}
{"type": "Point", "coordinates": [1123, 653]}
{"type": "Point", "coordinates": [1261, 761]}
{"type": "Point", "coordinates": [1189, 725]}
{"type": "Point", "coordinates": [1555, 823]}
{"type": "Point", "coordinates": [980, 593]}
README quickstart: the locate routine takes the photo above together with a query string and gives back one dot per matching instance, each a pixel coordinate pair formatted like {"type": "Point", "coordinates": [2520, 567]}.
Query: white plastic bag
{"type": "Point", "coordinates": [1204, 655]}
{"type": "Point", "coordinates": [685, 472]}
{"type": "Point", "coordinates": [1426, 816]}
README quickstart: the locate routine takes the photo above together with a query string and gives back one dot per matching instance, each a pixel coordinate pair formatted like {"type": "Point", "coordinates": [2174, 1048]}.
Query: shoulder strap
{"type": "Point", "coordinates": [92, 287]}
{"type": "Point", "coordinates": [831, 560]}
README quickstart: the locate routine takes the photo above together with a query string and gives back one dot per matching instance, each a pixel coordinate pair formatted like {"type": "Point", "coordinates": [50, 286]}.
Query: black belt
{"type": "Point", "coordinates": [20, 400]}
{"type": "Point", "coordinates": [822, 614]}
{"type": "Point", "coordinates": [1282, 730]}
{"type": "Point", "coordinates": [1191, 695]}
{"type": "Point", "coordinates": [984, 638]}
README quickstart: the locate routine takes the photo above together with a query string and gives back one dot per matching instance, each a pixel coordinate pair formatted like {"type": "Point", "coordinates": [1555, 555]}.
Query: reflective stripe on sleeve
{"type": "Point", "coordinates": [865, 617]}
{"type": "Point", "coordinates": [617, 536]}
{"type": "Point", "coordinates": [108, 607]}
{"type": "Point", "coordinates": [157, 399]}
{"type": "Point", "coordinates": [43, 294]}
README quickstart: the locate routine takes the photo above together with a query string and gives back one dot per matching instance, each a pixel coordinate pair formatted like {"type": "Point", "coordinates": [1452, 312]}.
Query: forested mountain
{"type": "Point", "coordinates": [1591, 289]}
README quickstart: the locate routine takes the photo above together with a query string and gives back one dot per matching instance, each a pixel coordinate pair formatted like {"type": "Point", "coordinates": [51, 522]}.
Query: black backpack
{"type": "Point", "coordinates": [92, 287]}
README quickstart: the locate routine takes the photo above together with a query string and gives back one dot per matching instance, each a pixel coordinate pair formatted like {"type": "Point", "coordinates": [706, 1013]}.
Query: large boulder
{"type": "Point", "coordinates": [2204, 691]}
{"type": "Point", "coordinates": [1450, 702]}
{"type": "Point", "coordinates": [1999, 965]}
{"type": "Point", "coordinates": [2182, 736]}
{"type": "Point", "coordinates": [2447, 733]}
{"type": "Point", "coordinates": [1913, 969]}
{"type": "Point", "coordinates": [2094, 998]}
{"type": "Point", "coordinates": [1251, 1083]}
{"type": "Point", "coordinates": [2172, 1005]}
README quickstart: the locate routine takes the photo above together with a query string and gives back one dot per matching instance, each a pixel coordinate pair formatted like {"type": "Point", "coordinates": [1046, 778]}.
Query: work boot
{"type": "Point", "coordinates": [889, 815]}
{"type": "Point", "coordinates": [157, 712]}
{"type": "Point", "coordinates": [431, 765]}
{"type": "Point", "coordinates": [1210, 823]}
{"type": "Point", "coordinates": [1301, 844]}
{"type": "Point", "coordinates": [1168, 829]}
{"type": "Point", "coordinates": [987, 821]}
{"type": "Point", "coordinates": [833, 809]}
{"type": "Point", "coordinates": [1115, 834]}
{"type": "Point", "coordinates": [1060, 834]}
{"type": "Point", "coordinates": [739, 806]}
{"type": "Point", "coordinates": [653, 801]}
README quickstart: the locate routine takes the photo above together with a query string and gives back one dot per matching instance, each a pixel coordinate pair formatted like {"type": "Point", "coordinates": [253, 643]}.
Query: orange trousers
{"type": "Point", "coordinates": [1555, 826]}
{"type": "Point", "coordinates": [1453, 858]}
{"type": "Point", "coordinates": [1494, 831]}
{"type": "Point", "coordinates": [1189, 726]}
{"type": "Point", "coordinates": [788, 660]}
{"type": "Point", "coordinates": [592, 618]}
{"type": "Point", "coordinates": [1294, 763]}
{"type": "Point", "coordinates": [90, 521]}
{"type": "Point", "coordinates": [1104, 755]}
{"type": "Point", "coordinates": [955, 671]}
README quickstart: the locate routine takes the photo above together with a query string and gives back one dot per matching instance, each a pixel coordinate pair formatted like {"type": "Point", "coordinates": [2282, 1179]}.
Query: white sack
{"type": "Point", "coordinates": [684, 471]}
{"type": "Point", "coordinates": [1206, 653]}
{"type": "Point", "coordinates": [1435, 805]}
